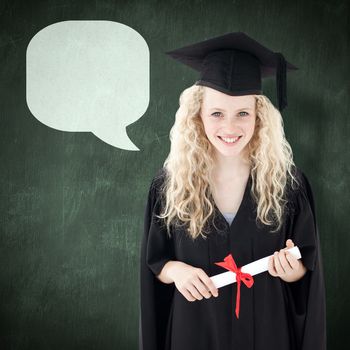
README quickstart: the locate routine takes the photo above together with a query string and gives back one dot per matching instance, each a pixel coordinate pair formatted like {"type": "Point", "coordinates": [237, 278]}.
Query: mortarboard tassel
{"type": "Point", "coordinates": [281, 81]}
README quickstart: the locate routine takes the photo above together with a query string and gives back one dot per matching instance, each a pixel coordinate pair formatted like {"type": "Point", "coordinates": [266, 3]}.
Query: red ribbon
{"type": "Point", "coordinates": [247, 279]}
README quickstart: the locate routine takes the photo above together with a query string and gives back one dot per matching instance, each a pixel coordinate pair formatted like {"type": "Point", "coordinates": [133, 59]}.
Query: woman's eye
{"type": "Point", "coordinates": [241, 114]}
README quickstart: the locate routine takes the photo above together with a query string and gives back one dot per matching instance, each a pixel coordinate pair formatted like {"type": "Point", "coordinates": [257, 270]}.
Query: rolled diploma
{"type": "Point", "coordinates": [253, 268]}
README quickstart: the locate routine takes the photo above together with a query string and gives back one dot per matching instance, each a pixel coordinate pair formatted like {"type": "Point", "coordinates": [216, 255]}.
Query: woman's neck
{"type": "Point", "coordinates": [229, 168]}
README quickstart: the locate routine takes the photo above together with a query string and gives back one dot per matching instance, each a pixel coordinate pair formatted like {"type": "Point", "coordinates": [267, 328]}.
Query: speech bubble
{"type": "Point", "coordinates": [88, 76]}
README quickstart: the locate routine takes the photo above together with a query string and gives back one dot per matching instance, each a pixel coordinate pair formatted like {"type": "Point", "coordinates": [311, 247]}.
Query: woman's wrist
{"type": "Point", "coordinates": [297, 276]}
{"type": "Point", "coordinates": [167, 273]}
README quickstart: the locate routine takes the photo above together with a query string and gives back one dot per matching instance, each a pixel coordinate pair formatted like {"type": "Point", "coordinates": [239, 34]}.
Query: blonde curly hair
{"type": "Point", "coordinates": [188, 183]}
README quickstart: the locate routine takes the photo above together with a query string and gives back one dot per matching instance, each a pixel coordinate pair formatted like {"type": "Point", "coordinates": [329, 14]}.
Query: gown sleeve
{"type": "Point", "coordinates": [155, 296]}
{"type": "Point", "coordinates": [306, 297]}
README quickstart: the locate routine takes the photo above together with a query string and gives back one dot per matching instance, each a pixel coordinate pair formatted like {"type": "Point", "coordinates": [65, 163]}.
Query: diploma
{"type": "Point", "coordinates": [252, 268]}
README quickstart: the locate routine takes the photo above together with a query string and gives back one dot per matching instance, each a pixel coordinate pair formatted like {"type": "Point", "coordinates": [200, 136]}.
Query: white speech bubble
{"type": "Point", "coordinates": [89, 76]}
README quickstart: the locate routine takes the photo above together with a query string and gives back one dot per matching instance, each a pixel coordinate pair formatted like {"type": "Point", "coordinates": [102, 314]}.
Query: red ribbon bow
{"type": "Point", "coordinates": [247, 279]}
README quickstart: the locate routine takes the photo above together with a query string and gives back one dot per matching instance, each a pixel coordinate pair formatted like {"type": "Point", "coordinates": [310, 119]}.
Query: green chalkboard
{"type": "Point", "coordinates": [72, 205]}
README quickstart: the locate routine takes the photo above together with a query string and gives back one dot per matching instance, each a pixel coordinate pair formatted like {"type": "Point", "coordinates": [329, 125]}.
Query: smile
{"type": "Point", "coordinates": [229, 141]}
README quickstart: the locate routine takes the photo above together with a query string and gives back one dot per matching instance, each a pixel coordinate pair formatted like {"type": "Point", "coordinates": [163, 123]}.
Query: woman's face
{"type": "Point", "coordinates": [228, 117]}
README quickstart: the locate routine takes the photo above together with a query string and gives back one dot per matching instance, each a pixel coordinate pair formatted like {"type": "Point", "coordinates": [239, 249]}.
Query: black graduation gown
{"type": "Point", "coordinates": [273, 315]}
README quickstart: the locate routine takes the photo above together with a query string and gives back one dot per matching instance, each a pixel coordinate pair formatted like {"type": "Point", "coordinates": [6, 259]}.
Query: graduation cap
{"type": "Point", "coordinates": [234, 64]}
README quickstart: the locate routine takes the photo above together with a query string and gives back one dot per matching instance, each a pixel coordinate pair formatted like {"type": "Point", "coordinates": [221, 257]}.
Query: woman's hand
{"type": "Point", "coordinates": [192, 282]}
{"type": "Point", "coordinates": [284, 265]}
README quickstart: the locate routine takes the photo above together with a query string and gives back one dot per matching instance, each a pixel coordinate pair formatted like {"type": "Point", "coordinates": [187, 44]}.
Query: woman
{"type": "Point", "coordinates": [229, 186]}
